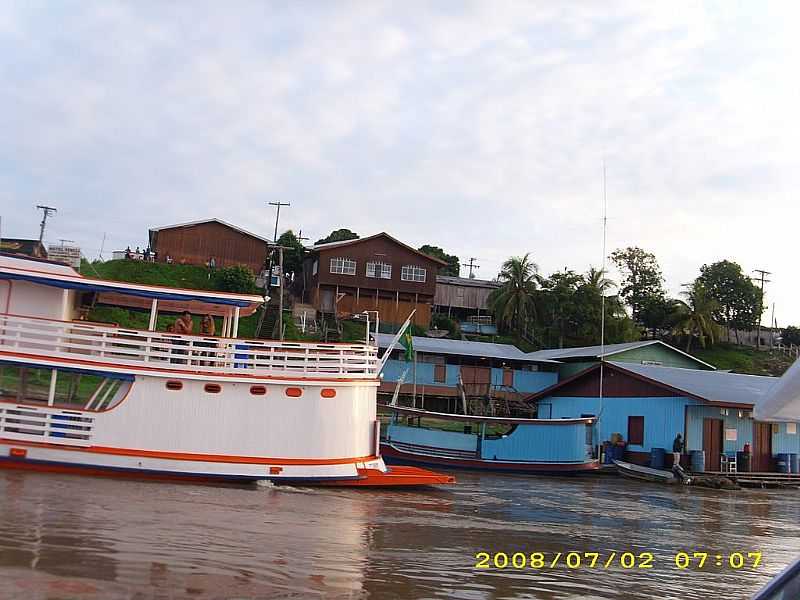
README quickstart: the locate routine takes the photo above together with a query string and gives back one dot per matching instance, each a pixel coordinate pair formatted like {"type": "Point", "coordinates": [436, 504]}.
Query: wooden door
{"type": "Point", "coordinates": [326, 301]}
{"type": "Point", "coordinates": [712, 443]}
{"type": "Point", "coordinates": [477, 380]}
{"type": "Point", "coordinates": [508, 378]}
{"type": "Point", "coordinates": [762, 447]}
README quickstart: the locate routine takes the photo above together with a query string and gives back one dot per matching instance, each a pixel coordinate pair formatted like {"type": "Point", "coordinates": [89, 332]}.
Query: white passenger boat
{"type": "Point", "coordinates": [77, 396]}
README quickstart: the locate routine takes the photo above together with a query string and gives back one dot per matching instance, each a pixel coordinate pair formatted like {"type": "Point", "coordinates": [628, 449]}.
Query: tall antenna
{"type": "Point", "coordinates": [602, 292]}
{"type": "Point", "coordinates": [46, 212]}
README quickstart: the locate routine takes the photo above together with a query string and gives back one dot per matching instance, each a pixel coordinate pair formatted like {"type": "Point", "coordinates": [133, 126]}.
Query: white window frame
{"type": "Point", "coordinates": [413, 273]}
{"type": "Point", "coordinates": [379, 270]}
{"type": "Point", "coordinates": [343, 266]}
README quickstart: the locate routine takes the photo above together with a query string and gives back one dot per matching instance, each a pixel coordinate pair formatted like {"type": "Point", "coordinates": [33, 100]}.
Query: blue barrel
{"type": "Point", "coordinates": [783, 463]}
{"type": "Point", "coordinates": [608, 455]}
{"type": "Point", "coordinates": [793, 465]}
{"type": "Point", "coordinates": [698, 461]}
{"type": "Point", "coordinates": [657, 456]}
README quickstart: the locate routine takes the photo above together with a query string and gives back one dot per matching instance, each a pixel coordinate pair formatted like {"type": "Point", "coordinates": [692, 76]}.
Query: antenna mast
{"type": "Point", "coordinates": [602, 291]}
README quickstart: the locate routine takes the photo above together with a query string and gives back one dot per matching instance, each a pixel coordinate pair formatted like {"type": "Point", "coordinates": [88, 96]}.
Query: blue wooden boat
{"type": "Point", "coordinates": [544, 446]}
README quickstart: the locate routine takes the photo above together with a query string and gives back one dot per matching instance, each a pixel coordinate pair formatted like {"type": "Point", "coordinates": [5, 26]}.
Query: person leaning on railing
{"type": "Point", "coordinates": [184, 325]}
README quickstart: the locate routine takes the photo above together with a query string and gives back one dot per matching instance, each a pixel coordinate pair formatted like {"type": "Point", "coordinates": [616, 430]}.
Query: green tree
{"type": "Point", "coordinates": [566, 303]}
{"type": "Point", "coordinates": [292, 258]}
{"type": "Point", "coordinates": [237, 279]}
{"type": "Point", "coordinates": [642, 286]}
{"type": "Point", "coordinates": [596, 278]}
{"type": "Point", "coordinates": [696, 315]}
{"type": "Point", "coordinates": [513, 303]}
{"type": "Point", "coordinates": [453, 267]}
{"type": "Point", "coordinates": [738, 298]}
{"type": "Point", "coordinates": [791, 336]}
{"type": "Point", "coordinates": [340, 235]}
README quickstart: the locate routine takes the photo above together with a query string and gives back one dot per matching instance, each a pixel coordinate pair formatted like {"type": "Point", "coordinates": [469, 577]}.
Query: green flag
{"type": "Point", "coordinates": [407, 343]}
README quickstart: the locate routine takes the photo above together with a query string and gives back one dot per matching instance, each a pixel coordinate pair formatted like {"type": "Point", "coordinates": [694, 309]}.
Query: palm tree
{"type": "Point", "coordinates": [597, 279]}
{"type": "Point", "coordinates": [693, 316]}
{"type": "Point", "coordinates": [513, 302]}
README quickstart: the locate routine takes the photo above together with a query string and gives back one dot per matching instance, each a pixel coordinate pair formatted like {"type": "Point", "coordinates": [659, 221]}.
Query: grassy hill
{"type": "Point", "coordinates": [137, 271]}
{"type": "Point", "coordinates": [744, 359]}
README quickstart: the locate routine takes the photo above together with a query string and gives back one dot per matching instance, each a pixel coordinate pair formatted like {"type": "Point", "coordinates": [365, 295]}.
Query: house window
{"type": "Point", "coordinates": [636, 431]}
{"type": "Point", "coordinates": [315, 267]}
{"type": "Point", "coordinates": [412, 273]}
{"type": "Point", "coordinates": [343, 266]}
{"type": "Point", "coordinates": [508, 378]}
{"type": "Point", "coordinates": [439, 374]}
{"type": "Point", "coordinates": [379, 270]}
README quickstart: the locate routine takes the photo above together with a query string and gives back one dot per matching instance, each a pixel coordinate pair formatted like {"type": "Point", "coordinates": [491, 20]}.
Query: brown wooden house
{"type": "Point", "coordinates": [372, 273]}
{"type": "Point", "coordinates": [196, 242]}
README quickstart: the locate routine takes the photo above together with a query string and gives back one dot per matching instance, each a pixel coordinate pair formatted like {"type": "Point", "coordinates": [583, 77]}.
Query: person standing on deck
{"type": "Point", "coordinates": [207, 329]}
{"type": "Point", "coordinates": [677, 449]}
{"type": "Point", "coordinates": [184, 325]}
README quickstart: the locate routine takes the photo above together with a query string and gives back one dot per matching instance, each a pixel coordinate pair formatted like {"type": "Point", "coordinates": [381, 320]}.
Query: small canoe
{"type": "Point", "coordinates": [632, 471]}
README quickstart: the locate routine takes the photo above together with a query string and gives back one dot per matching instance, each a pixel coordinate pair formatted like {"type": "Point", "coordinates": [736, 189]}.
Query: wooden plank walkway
{"type": "Point", "coordinates": [760, 479]}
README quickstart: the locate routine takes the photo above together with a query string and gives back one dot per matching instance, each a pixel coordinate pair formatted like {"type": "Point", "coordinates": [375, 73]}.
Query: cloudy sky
{"type": "Point", "coordinates": [479, 127]}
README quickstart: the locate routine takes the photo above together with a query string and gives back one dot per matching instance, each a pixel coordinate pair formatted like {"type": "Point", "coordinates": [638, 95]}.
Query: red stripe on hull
{"type": "Point", "coordinates": [489, 465]}
{"type": "Point", "coordinates": [396, 476]}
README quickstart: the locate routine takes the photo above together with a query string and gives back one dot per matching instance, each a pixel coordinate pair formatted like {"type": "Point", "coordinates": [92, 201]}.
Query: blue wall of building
{"type": "Point", "coordinates": [781, 441]}
{"type": "Point", "coordinates": [524, 381]}
{"type": "Point", "coordinates": [663, 417]}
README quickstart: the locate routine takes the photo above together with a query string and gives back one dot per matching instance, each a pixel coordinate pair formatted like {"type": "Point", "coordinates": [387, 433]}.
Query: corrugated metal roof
{"type": "Point", "coordinates": [328, 245]}
{"type": "Point", "coordinates": [204, 221]}
{"type": "Point", "coordinates": [608, 350]}
{"type": "Point", "coordinates": [467, 282]}
{"type": "Point", "coordinates": [463, 348]}
{"type": "Point", "coordinates": [714, 386]}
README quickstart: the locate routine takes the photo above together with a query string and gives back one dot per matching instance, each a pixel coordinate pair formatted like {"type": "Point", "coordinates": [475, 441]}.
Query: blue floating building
{"type": "Point", "coordinates": [481, 369]}
{"type": "Point", "coordinates": [648, 405]}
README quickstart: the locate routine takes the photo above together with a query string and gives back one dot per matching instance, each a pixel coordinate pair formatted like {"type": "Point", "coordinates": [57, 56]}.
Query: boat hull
{"type": "Point", "coordinates": [640, 473]}
{"type": "Point", "coordinates": [394, 455]}
{"type": "Point", "coordinates": [372, 473]}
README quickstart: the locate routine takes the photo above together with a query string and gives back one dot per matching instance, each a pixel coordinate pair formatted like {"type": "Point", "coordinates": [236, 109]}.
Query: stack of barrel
{"type": "Point", "coordinates": [788, 463]}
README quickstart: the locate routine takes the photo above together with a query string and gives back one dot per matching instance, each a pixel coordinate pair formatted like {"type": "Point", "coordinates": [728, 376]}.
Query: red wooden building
{"type": "Point", "coordinates": [196, 242]}
{"type": "Point", "coordinates": [372, 273]}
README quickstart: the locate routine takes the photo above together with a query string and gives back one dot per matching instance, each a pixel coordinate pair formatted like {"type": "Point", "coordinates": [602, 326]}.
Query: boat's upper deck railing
{"type": "Point", "coordinates": [117, 346]}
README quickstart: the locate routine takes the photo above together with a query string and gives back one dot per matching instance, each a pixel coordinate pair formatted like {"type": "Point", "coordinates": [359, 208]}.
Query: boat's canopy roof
{"type": "Point", "coordinates": [416, 412]}
{"type": "Point", "coordinates": [782, 402]}
{"type": "Point", "coordinates": [18, 268]}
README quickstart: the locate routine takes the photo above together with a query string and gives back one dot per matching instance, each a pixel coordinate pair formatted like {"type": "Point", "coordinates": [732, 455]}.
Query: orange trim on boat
{"type": "Point", "coordinates": [394, 476]}
{"type": "Point", "coordinates": [222, 458]}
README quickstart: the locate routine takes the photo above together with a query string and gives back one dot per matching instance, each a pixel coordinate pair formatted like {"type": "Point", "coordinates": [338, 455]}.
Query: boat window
{"type": "Point", "coordinates": [213, 388]}
{"type": "Point", "coordinates": [294, 392]}
{"type": "Point", "coordinates": [174, 385]}
{"type": "Point", "coordinates": [73, 389]}
{"type": "Point", "coordinates": [328, 393]}
{"type": "Point", "coordinates": [258, 390]}
{"type": "Point", "coordinates": [636, 430]}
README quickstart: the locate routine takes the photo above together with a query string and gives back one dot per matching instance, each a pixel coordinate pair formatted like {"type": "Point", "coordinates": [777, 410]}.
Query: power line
{"type": "Point", "coordinates": [46, 212]}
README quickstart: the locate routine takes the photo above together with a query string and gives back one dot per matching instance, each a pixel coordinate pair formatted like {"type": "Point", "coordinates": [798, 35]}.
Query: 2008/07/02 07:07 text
{"type": "Point", "coordinates": [614, 559]}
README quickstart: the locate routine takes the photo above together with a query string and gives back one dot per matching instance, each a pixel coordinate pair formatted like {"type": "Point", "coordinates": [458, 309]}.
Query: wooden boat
{"type": "Point", "coordinates": [94, 398]}
{"type": "Point", "coordinates": [632, 471]}
{"type": "Point", "coordinates": [543, 446]}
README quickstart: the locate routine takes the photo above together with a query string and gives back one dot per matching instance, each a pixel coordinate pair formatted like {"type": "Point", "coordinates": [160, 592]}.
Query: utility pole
{"type": "Point", "coordinates": [472, 265]}
{"type": "Point", "coordinates": [277, 216]}
{"type": "Point", "coordinates": [46, 212]}
{"type": "Point", "coordinates": [763, 274]}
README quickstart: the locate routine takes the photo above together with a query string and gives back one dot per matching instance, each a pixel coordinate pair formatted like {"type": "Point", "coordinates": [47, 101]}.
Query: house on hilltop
{"type": "Point", "coordinates": [377, 272]}
{"type": "Point", "coordinates": [195, 242]}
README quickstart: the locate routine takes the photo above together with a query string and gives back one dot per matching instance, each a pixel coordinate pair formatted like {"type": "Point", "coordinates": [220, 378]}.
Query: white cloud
{"type": "Point", "coordinates": [480, 127]}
